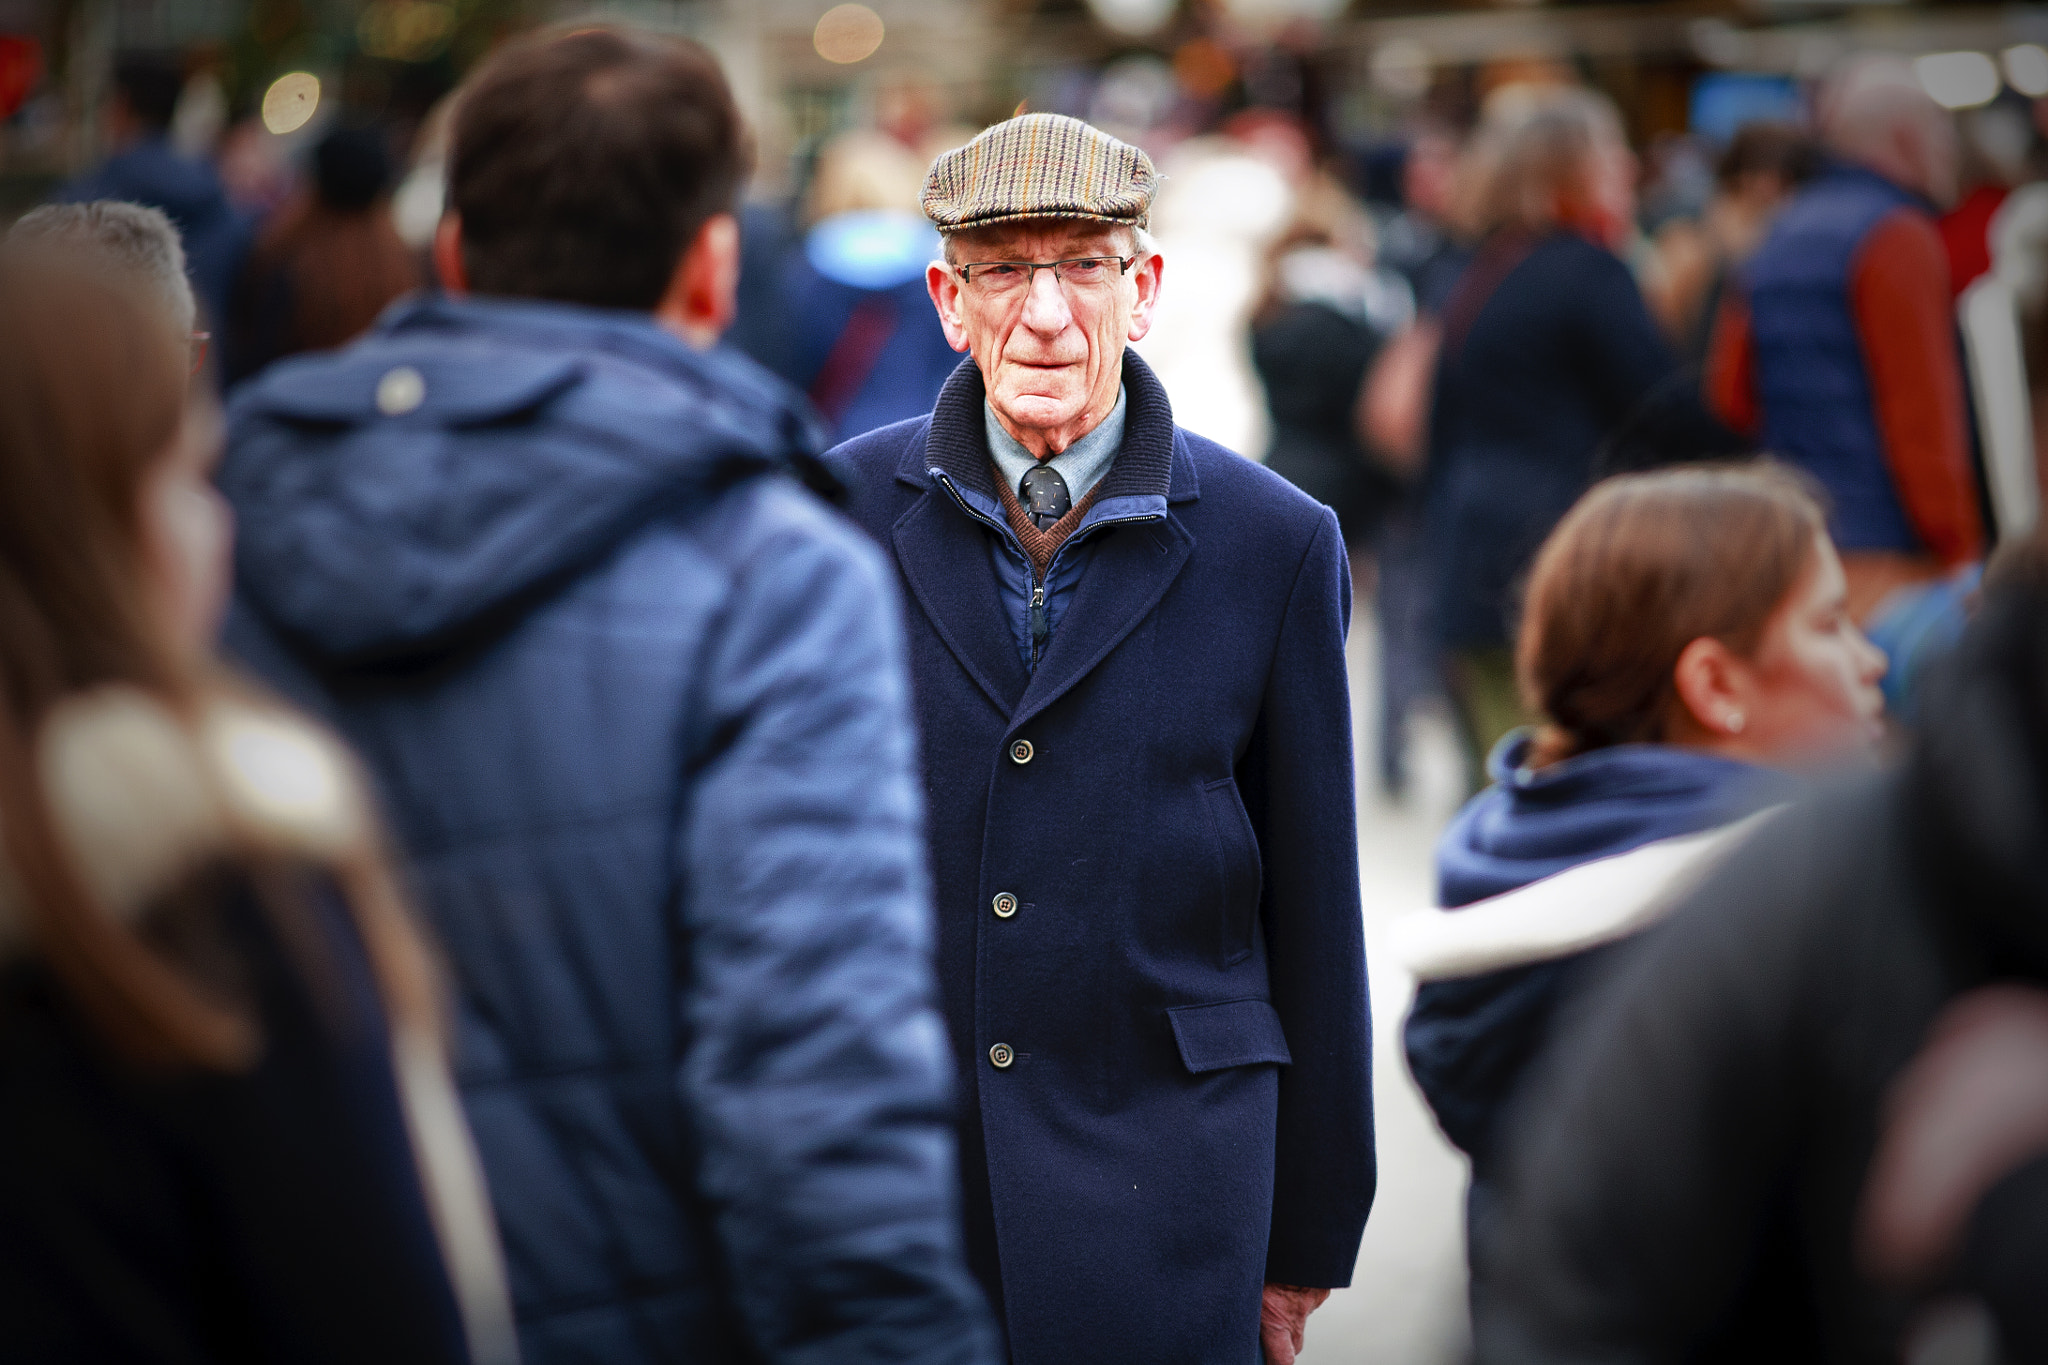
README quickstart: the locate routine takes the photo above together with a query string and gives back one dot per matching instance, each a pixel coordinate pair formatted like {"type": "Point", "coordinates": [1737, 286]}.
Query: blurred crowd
{"type": "Point", "coordinates": [539, 959]}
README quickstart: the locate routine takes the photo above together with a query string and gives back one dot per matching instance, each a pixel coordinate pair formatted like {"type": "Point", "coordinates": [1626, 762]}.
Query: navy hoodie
{"type": "Point", "coordinates": [1470, 1040]}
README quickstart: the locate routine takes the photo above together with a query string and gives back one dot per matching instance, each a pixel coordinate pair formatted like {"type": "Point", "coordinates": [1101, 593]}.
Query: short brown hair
{"type": "Point", "coordinates": [1641, 567]}
{"type": "Point", "coordinates": [1532, 155]}
{"type": "Point", "coordinates": [584, 164]}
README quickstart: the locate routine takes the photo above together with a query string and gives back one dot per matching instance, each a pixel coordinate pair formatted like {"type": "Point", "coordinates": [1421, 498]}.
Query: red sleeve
{"type": "Point", "coordinates": [1730, 377]}
{"type": "Point", "coordinates": [1899, 295]}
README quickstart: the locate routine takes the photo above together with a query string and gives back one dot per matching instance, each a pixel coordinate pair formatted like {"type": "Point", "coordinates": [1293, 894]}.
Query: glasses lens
{"type": "Point", "coordinates": [1092, 271]}
{"type": "Point", "coordinates": [1000, 277]}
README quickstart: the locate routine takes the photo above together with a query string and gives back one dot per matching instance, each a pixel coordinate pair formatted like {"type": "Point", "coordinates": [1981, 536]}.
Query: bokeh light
{"type": "Point", "coordinates": [291, 101]}
{"type": "Point", "coordinates": [2026, 69]}
{"type": "Point", "coordinates": [1958, 80]}
{"type": "Point", "coordinates": [848, 34]}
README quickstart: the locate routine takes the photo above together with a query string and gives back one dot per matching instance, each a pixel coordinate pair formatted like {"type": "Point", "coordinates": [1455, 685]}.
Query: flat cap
{"type": "Point", "coordinates": [1040, 166]}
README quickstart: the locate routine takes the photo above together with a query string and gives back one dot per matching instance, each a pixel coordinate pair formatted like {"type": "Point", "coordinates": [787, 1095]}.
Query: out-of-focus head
{"type": "Point", "coordinates": [862, 171]}
{"type": "Point", "coordinates": [599, 166]}
{"type": "Point", "coordinates": [1049, 343]}
{"type": "Point", "coordinates": [1429, 173]}
{"type": "Point", "coordinates": [1874, 112]}
{"type": "Point", "coordinates": [113, 542]}
{"type": "Point", "coordinates": [1555, 157]}
{"type": "Point", "coordinates": [1703, 607]}
{"type": "Point", "coordinates": [146, 90]}
{"type": "Point", "coordinates": [1765, 160]}
{"type": "Point", "coordinates": [352, 169]}
{"type": "Point", "coordinates": [137, 244]}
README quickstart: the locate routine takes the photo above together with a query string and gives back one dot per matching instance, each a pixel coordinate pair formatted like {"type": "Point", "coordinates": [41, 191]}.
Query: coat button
{"type": "Point", "coordinates": [1005, 905]}
{"type": "Point", "coordinates": [1001, 1056]}
{"type": "Point", "coordinates": [1021, 751]}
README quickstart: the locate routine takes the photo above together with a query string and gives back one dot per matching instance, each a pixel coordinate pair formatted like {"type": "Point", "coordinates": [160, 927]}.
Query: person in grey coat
{"type": "Point", "coordinates": [637, 703]}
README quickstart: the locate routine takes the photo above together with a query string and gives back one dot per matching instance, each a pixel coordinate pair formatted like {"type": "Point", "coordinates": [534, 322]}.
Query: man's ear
{"type": "Point", "coordinates": [703, 293]}
{"type": "Point", "coordinates": [944, 287]}
{"type": "Point", "coordinates": [448, 254]}
{"type": "Point", "coordinates": [1150, 270]}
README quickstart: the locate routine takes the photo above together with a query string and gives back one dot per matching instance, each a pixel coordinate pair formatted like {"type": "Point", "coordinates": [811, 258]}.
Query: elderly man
{"type": "Point", "coordinates": [1839, 351]}
{"type": "Point", "coordinates": [1128, 651]}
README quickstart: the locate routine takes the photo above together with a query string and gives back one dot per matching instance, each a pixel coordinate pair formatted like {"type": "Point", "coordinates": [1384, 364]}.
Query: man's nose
{"type": "Point", "coordinates": [1045, 306]}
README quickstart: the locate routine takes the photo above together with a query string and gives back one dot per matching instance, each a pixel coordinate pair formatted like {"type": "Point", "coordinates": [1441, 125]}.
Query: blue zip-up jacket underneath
{"type": "Point", "coordinates": [636, 705]}
{"type": "Point", "coordinates": [1471, 1040]}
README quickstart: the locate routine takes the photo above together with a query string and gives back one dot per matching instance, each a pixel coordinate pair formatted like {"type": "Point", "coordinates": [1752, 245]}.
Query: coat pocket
{"type": "Point", "coordinates": [1231, 1033]}
{"type": "Point", "coordinates": [1234, 851]}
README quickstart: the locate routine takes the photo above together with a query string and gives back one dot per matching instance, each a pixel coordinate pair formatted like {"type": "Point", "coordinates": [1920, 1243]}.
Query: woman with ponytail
{"type": "Point", "coordinates": [1687, 643]}
{"type": "Point", "coordinates": [227, 1130]}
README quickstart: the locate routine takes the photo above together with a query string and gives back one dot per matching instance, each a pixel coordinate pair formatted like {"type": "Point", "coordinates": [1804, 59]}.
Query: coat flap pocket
{"type": "Point", "coordinates": [1233, 1033]}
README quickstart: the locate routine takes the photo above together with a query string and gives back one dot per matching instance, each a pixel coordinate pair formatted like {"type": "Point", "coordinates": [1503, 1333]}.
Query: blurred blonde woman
{"type": "Point", "coordinates": [227, 1130]}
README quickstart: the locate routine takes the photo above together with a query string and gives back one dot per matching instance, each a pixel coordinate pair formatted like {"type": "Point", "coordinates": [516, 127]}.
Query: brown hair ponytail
{"type": "Point", "coordinates": [1641, 567]}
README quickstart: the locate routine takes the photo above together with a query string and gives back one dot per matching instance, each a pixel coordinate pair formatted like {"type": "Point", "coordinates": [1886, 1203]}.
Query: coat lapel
{"type": "Point", "coordinates": [944, 557]}
{"type": "Point", "coordinates": [1132, 568]}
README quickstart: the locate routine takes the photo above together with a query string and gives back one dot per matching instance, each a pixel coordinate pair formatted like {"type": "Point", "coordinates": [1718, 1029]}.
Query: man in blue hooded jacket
{"type": "Point", "coordinates": [635, 702]}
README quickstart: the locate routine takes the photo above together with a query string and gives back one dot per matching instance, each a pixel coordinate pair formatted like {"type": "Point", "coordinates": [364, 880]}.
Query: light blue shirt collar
{"type": "Point", "coordinates": [1081, 464]}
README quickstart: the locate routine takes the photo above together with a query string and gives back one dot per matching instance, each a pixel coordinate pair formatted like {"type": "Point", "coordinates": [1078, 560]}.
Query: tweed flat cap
{"type": "Point", "coordinates": [1040, 166]}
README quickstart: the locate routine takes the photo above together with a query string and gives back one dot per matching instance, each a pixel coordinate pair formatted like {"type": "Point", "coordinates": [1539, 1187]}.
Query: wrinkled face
{"type": "Point", "coordinates": [1813, 695]}
{"type": "Point", "coordinates": [1050, 351]}
{"type": "Point", "coordinates": [188, 534]}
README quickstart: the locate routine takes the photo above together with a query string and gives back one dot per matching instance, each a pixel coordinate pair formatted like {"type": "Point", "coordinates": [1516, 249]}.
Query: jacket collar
{"type": "Point", "coordinates": [1152, 463]}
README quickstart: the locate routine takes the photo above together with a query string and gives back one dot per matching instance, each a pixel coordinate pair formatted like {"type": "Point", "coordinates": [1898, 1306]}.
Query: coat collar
{"type": "Point", "coordinates": [1154, 460]}
{"type": "Point", "coordinates": [943, 552]}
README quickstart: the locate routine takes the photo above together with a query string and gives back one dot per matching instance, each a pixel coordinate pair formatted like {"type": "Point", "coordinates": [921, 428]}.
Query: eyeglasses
{"type": "Point", "coordinates": [1003, 278]}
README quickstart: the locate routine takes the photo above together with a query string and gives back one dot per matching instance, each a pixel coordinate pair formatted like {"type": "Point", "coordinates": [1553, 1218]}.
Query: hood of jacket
{"type": "Point", "coordinates": [439, 477]}
{"type": "Point", "coordinates": [1976, 784]}
{"type": "Point", "coordinates": [1534, 822]}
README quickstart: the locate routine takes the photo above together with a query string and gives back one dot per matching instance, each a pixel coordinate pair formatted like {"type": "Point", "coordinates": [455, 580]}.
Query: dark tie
{"type": "Point", "coordinates": [1044, 495]}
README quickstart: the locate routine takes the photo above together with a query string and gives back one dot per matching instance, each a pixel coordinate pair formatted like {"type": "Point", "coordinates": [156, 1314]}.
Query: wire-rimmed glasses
{"type": "Point", "coordinates": [1002, 278]}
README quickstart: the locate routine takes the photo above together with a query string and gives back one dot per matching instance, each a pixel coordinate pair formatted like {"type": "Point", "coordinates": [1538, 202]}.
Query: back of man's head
{"type": "Point", "coordinates": [149, 86]}
{"type": "Point", "coordinates": [584, 164]}
{"type": "Point", "coordinates": [1874, 112]}
{"type": "Point", "coordinates": [137, 243]}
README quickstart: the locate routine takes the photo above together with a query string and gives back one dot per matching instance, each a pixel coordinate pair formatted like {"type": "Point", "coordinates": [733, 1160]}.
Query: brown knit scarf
{"type": "Point", "coordinates": [1040, 545]}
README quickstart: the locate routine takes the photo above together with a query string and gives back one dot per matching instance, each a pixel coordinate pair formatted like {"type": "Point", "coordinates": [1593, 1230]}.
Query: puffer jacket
{"type": "Point", "coordinates": [636, 704]}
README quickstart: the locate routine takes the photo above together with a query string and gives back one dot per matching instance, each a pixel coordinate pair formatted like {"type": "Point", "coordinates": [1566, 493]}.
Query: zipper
{"type": "Point", "coordinates": [1040, 618]}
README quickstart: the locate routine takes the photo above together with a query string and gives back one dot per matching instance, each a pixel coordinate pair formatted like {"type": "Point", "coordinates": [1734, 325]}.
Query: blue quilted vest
{"type": "Point", "coordinates": [1811, 381]}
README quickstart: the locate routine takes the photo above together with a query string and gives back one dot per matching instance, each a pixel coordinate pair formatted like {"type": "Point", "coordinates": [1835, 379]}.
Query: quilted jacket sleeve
{"type": "Point", "coordinates": [818, 1074]}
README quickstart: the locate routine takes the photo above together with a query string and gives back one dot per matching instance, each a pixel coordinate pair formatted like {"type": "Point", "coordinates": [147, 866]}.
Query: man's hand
{"type": "Point", "coordinates": [1283, 1317]}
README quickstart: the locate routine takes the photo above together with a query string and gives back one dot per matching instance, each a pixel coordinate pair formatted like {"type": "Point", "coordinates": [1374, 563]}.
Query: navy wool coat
{"type": "Point", "coordinates": [1145, 860]}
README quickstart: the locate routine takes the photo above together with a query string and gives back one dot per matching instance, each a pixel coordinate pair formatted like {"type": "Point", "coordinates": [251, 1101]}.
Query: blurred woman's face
{"type": "Point", "coordinates": [1812, 684]}
{"type": "Point", "coordinates": [1611, 192]}
{"type": "Point", "coordinates": [188, 534]}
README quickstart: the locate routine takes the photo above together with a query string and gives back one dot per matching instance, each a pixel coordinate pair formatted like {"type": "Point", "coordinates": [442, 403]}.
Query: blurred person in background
{"type": "Point", "coordinates": [327, 263]}
{"type": "Point", "coordinates": [1421, 240]}
{"type": "Point", "coordinates": [143, 168]}
{"type": "Point", "coordinates": [136, 245]}
{"type": "Point", "coordinates": [638, 703]}
{"type": "Point", "coordinates": [1838, 352]}
{"type": "Point", "coordinates": [227, 1129]}
{"type": "Point", "coordinates": [1324, 315]}
{"type": "Point", "coordinates": [1685, 641]}
{"type": "Point", "coordinates": [1548, 354]}
{"type": "Point", "coordinates": [1761, 167]}
{"type": "Point", "coordinates": [1695, 1180]}
{"type": "Point", "coordinates": [865, 344]}
{"type": "Point", "coordinates": [1149, 940]}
